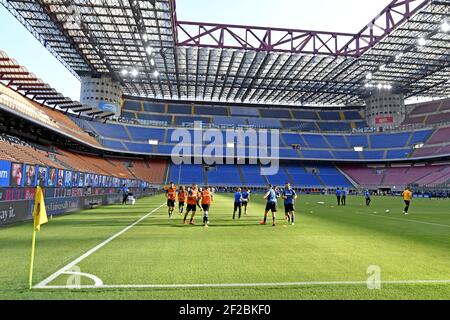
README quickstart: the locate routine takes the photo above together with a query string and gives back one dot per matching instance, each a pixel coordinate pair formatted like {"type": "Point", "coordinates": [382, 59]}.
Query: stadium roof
{"type": "Point", "coordinates": [405, 48]}
{"type": "Point", "coordinates": [16, 77]}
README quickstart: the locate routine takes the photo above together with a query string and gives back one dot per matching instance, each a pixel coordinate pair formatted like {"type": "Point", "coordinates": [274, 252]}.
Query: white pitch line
{"type": "Point", "coordinates": [239, 285]}
{"type": "Point", "coordinates": [69, 266]}
{"type": "Point", "coordinates": [409, 220]}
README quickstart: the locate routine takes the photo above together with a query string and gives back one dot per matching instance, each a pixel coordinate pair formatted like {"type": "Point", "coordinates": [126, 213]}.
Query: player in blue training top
{"type": "Point", "coordinates": [245, 199]}
{"type": "Point", "coordinates": [237, 203]}
{"type": "Point", "coordinates": [344, 193]}
{"type": "Point", "coordinates": [289, 196]}
{"type": "Point", "coordinates": [271, 205]}
{"type": "Point", "coordinates": [338, 196]}
{"type": "Point", "coordinates": [367, 195]}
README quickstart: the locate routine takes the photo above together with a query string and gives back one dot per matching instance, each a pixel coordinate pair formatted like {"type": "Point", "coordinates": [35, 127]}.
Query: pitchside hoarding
{"type": "Point", "coordinates": [16, 211]}
{"type": "Point", "coordinates": [5, 167]}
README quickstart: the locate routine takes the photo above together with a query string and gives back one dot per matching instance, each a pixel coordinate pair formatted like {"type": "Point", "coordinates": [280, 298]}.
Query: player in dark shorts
{"type": "Point", "coordinates": [207, 198]}
{"type": "Point", "coordinates": [338, 196]}
{"type": "Point", "coordinates": [289, 197]}
{"type": "Point", "coordinates": [182, 194]}
{"type": "Point", "coordinates": [192, 201]}
{"type": "Point", "coordinates": [367, 196]}
{"type": "Point", "coordinates": [245, 199]}
{"type": "Point", "coordinates": [237, 203]}
{"type": "Point", "coordinates": [271, 205]}
{"type": "Point", "coordinates": [171, 195]}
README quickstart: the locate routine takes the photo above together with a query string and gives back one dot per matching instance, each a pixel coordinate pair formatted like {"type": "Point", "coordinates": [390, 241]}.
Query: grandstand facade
{"type": "Point", "coordinates": [339, 107]}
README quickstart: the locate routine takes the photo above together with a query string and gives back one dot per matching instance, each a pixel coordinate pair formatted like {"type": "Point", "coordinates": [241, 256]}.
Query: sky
{"type": "Point", "coordinates": [321, 15]}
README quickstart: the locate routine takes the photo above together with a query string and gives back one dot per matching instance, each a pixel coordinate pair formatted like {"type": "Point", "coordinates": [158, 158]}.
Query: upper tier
{"type": "Point", "coordinates": [429, 113]}
{"type": "Point", "coordinates": [149, 113]}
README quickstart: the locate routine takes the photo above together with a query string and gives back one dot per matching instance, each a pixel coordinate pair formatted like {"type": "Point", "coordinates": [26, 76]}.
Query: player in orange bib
{"type": "Point", "coordinates": [182, 195]}
{"type": "Point", "coordinates": [192, 198]}
{"type": "Point", "coordinates": [407, 197]}
{"type": "Point", "coordinates": [207, 199]}
{"type": "Point", "coordinates": [171, 195]}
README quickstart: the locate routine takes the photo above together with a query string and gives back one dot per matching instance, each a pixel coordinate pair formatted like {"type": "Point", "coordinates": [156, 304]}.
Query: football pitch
{"type": "Point", "coordinates": [136, 252]}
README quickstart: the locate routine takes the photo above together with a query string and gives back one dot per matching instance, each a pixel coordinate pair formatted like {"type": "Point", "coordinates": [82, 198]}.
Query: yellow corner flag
{"type": "Point", "coordinates": [39, 212]}
{"type": "Point", "coordinates": [39, 217]}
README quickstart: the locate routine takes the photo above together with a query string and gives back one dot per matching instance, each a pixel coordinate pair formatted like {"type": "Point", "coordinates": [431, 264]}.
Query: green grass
{"type": "Point", "coordinates": [326, 244]}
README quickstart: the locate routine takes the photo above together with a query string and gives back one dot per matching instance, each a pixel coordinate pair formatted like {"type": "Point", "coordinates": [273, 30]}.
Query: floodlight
{"type": "Point", "coordinates": [421, 41]}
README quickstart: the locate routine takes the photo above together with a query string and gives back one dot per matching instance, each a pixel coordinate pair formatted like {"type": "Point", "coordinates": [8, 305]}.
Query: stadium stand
{"type": "Point", "coordinates": [398, 177]}
{"type": "Point", "coordinates": [277, 118]}
{"type": "Point", "coordinates": [325, 146]}
{"type": "Point", "coordinates": [14, 149]}
{"type": "Point", "coordinates": [19, 151]}
{"type": "Point", "coordinates": [54, 119]}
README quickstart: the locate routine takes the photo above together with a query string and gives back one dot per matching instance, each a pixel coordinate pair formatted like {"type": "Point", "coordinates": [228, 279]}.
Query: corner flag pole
{"type": "Point", "coordinates": [33, 245]}
{"type": "Point", "coordinates": [40, 217]}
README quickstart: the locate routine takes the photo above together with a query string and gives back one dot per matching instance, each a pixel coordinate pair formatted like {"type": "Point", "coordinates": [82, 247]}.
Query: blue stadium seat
{"type": "Point", "coordinates": [113, 145]}
{"type": "Point", "coordinates": [165, 149]}
{"type": "Point", "coordinates": [315, 141]}
{"type": "Point", "coordinates": [264, 123]}
{"type": "Point", "coordinates": [114, 131]}
{"type": "Point", "coordinates": [179, 109]}
{"type": "Point", "coordinates": [299, 125]}
{"type": "Point", "coordinates": [292, 138]}
{"type": "Point", "coordinates": [211, 110]}
{"type": "Point", "coordinates": [335, 180]}
{"type": "Point", "coordinates": [252, 175]}
{"type": "Point", "coordinates": [244, 111]}
{"type": "Point", "coordinates": [337, 142]}
{"type": "Point", "coordinates": [301, 177]}
{"type": "Point", "coordinates": [420, 136]}
{"type": "Point", "coordinates": [132, 105]}
{"type": "Point", "coordinates": [335, 126]}
{"type": "Point", "coordinates": [352, 115]}
{"type": "Point", "coordinates": [187, 174]}
{"type": "Point", "coordinates": [224, 175]}
{"type": "Point", "coordinates": [398, 154]}
{"type": "Point", "coordinates": [128, 115]}
{"type": "Point", "coordinates": [289, 153]}
{"type": "Point", "coordinates": [329, 115]}
{"type": "Point", "coordinates": [317, 154]}
{"type": "Point", "coordinates": [275, 113]}
{"type": "Point", "coordinates": [167, 119]}
{"type": "Point", "coordinates": [346, 155]}
{"type": "Point", "coordinates": [358, 141]}
{"type": "Point", "coordinates": [154, 107]}
{"type": "Point", "coordinates": [279, 179]}
{"type": "Point", "coordinates": [374, 155]}
{"type": "Point", "coordinates": [230, 121]}
{"type": "Point", "coordinates": [180, 120]}
{"type": "Point", "coordinates": [361, 124]}
{"type": "Point", "coordinates": [305, 115]}
{"type": "Point", "coordinates": [142, 148]}
{"type": "Point", "coordinates": [393, 140]}
{"type": "Point", "coordinates": [144, 134]}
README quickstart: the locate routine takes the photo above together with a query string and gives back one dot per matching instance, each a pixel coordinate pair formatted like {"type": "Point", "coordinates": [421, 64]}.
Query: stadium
{"type": "Point", "coordinates": [287, 114]}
